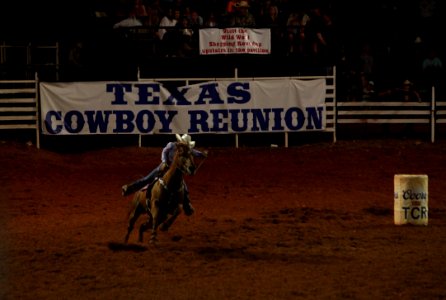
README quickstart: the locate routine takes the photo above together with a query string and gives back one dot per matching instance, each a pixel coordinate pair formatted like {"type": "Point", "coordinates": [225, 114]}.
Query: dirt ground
{"type": "Point", "coordinates": [314, 221]}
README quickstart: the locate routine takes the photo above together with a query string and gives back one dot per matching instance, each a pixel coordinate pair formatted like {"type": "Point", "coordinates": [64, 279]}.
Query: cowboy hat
{"type": "Point", "coordinates": [242, 4]}
{"type": "Point", "coordinates": [185, 139]}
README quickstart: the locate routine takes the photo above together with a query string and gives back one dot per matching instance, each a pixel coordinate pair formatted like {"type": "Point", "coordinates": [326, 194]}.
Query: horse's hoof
{"type": "Point", "coordinates": [140, 239]}
{"type": "Point", "coordinates": [188, 210]}
{"type": "Point", "coordinates": [176, 238]}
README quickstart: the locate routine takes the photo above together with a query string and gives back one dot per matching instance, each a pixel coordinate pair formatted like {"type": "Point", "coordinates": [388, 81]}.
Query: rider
{"type": "Point", "coordinates": [167, 156]}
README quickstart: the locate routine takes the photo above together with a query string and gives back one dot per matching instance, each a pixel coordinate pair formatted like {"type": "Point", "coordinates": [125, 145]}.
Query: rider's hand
{"type": "Point", "coordinates": [163, 167]}
{"type": "Point", "coordinates": [205, 153]}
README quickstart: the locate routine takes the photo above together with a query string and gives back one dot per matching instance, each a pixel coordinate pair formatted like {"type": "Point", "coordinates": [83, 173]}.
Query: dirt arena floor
{"type": "Point", "coordinates": [313, 221]}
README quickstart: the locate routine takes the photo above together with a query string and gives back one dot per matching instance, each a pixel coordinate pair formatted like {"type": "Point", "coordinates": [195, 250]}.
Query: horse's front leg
{"type": "Point", "coordinates": [166, 224]}
{"type": "Point", "coordinates": [155, 211]}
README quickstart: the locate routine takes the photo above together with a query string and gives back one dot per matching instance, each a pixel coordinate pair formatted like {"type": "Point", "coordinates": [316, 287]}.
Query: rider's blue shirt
{"type": "Point", "coordinates": [169, 152]}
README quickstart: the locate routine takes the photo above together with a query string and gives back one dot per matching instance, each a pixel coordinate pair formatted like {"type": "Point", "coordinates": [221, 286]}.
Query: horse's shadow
{"type": "Point", "coordinates": [114, 246]}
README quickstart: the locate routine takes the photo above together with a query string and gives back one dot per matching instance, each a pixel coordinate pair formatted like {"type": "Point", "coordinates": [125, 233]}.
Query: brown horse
{"type": "Point", "coordinates": [163, 200]}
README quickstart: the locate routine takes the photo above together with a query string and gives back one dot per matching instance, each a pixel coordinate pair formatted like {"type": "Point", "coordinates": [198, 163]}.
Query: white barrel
{"type": "Point", "coordinates": [411, 199]}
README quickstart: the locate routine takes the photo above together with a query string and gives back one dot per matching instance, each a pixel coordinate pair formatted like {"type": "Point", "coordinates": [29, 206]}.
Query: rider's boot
{"type": "Point", "coordinates": [128, 189]}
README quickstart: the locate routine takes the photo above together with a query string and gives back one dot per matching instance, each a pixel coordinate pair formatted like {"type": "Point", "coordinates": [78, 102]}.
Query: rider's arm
{"type": "Point", "coordinates": [198, 153]}
{"type": "Point", "coordinates": [166, 152]}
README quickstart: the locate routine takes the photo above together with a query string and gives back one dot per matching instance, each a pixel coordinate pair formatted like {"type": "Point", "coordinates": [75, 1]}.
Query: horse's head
{"type": "Point", "coordinates": [184, 159]}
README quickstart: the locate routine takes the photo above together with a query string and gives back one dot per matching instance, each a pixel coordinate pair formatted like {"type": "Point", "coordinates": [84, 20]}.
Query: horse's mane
{"type": "Point", "coordinates": [182, 147]}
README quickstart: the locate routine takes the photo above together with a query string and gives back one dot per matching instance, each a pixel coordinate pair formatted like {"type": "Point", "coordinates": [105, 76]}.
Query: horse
{"type": "Point", "coordinates": [163, 199]}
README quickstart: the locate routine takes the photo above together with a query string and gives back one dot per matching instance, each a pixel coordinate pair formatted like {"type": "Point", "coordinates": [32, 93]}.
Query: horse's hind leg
{"type": "Point", "coordinates": [144, 227]}
{"type": "Point", "coordinates": [133, 216]}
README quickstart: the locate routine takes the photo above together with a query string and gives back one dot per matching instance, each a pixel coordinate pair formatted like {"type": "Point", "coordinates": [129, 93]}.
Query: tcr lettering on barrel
{"type": "Point", "coordinates": [415, 213]}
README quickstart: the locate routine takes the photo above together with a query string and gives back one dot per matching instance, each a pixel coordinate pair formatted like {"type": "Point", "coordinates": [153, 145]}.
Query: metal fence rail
{"type": "Point", "coordinates": [394, 112]}
{"type": "Point", "coordinates": [440, 112]}
{"type": "Point", "coordinates": [383, 112]}
{"type": "Point", "coordinates": [19, 105]}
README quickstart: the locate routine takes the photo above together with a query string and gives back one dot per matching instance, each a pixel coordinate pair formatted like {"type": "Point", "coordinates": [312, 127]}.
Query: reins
{"type": "Point", "coordinates": [201, 162]}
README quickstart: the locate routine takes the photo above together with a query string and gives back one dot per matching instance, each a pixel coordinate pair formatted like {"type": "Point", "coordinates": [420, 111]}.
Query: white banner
{"type": "Point", "coordinates": [235, 41]}
{"type": "Point", "coordinates": [208, 107]}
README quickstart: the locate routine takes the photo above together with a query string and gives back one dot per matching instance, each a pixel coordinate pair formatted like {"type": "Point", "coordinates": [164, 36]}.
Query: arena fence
{"type": "Point", "coordinates": [438, 114]}
{"type": "Point", "coordinates": [393, 112]}
{"type": "Point", "coordinates": [330, 97]}
{"type": "Point", "coordinates": [19, 105]}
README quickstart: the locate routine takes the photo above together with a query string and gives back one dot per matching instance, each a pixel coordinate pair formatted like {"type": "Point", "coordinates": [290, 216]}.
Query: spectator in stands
{"type": "Point", "coordinates": [185, 11]}
{"type": "Point", "coordinates": [225, 15]}
{"type": "Point", "coordinates": [297, 40]}
{"type": "Point", "coordinates": [407, 93]}
{"type": "Point", "coordinates": [346, 85]}
{"type": "Point", "coordinates": [230, 6]}
{"type": "Point", "coordinates": [366, 67]}
{"type": "Point", "coordinates": [148, 38]}
{"type": "Point", "coordinates": [166, 31]}
{"type": "Point", "coordinates": [211, 21]}
{"type": "Point", "coordinates": [273, 20]}
{"type": "Point", "coordinates": [130, 21]}
{"type": "Point", "coordinates": [368, 92]}
{"type": "Point", "coordinates": [321, 37]}
{"type": "Point", "coordinates": [169, 19]}
{"type": "Point", "coordinates": [76, 54]}
{"type": "Point", "coordinates": [195, 19]}
{"type": "Point", "coordinates": [195, 22]}
{"type": "Point", "coordinates": [263, 8]}
{"type": "Point", "coordinates": [152, 20]}
{"type": "Point", "coordinates": [184, 38]}
{"type": "Point", "coordinates": [77, 60]}
{"type": "Point", "coordinates": [242, 17]}
{"type": "Point", "coordinates": [292, 32]}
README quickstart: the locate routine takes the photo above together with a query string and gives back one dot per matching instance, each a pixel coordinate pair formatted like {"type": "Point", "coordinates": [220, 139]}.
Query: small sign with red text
{"type": "Point", "coordinates": [235, 41]}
